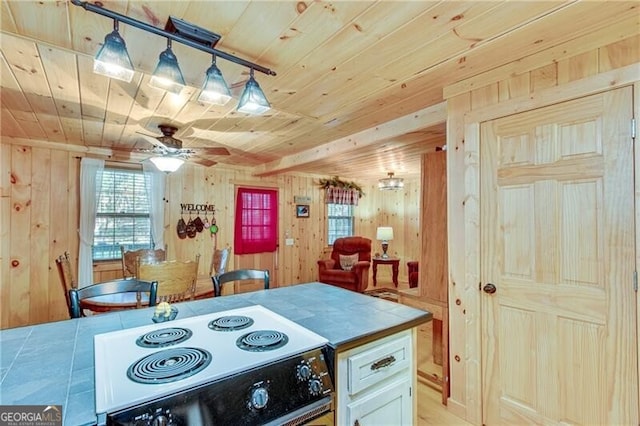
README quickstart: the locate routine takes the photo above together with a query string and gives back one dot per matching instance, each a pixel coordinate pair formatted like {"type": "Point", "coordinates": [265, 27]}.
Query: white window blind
{"type": "Point", "coordinates": [339, 221]}
{"type": "Point", "coordinates": [123, 214]}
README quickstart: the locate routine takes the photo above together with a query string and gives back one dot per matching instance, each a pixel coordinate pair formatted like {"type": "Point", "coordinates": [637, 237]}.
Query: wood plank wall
{"type": "Point", "coordinates": [40, 209]}
{"type": "Point", "coordinates": [577, 68]}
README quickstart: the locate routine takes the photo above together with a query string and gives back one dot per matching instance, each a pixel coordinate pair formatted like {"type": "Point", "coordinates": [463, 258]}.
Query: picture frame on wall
{"type": "Point", "coordinates": [302, 210]}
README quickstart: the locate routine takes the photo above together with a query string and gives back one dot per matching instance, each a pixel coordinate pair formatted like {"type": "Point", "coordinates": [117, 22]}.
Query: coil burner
{"type": "Point", "coordinates": [163, 337]}
{"type": "Point", "coordinates": [169, 365]}
{"type": "Point", "coordinates": [262, 340]}
{"type": "Point", "coordinates": [231, 323]}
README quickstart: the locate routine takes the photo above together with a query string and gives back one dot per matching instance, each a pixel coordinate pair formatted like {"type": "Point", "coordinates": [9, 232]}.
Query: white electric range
{"type": "Point", "coordinates": [241, 366]}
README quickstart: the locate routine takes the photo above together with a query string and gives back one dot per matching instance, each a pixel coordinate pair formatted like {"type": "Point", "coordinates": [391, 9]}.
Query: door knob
{"type": "Point", "coordinates": [489, 288]}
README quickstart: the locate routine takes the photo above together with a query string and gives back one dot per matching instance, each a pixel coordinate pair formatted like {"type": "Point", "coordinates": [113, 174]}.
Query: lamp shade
{"type": "Point", "coordinates": [167, 164]}
{"type": "Point", "coordinates": [253, 100]}
{"type": "Point", "coordinates": [113, 59]}
{"type": "Point", "coordinates": [390, 183]}
{"type": "Point", "coordinates": [167, 74]}
{"type": "Point", "coordinates": [384, 233]}
{"type": "Point", "coordinates": [215, 89]}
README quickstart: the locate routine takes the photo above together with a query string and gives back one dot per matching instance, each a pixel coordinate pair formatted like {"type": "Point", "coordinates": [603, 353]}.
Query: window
{"type": "Point", "coordinates": [122, 216]}
{"type": "Point", "coordinates": [256, 227]}
{"type": "Point", "coordinates": [339, 221]}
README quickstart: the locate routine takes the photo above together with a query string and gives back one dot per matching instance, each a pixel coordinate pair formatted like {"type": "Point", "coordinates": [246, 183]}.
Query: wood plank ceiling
{"type": "Point", "coordinates": [343, 68]}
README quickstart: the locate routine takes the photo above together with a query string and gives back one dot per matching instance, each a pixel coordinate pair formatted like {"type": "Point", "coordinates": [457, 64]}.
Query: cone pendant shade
{"type": "Point", "coordinates": [167, 75]}
{"type": "Point", "coordinates": [215, 89]}
{"type": "Point", "coordinates": [253, 100]}
{"type": "Point", "coordinates": [113, 59]}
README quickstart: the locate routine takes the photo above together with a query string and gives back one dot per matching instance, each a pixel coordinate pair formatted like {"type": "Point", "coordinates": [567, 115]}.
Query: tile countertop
{"type": "Point", "coordinates": [52, 363]}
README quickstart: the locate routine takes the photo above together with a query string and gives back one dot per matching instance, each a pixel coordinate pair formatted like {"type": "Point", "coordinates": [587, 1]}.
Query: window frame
{"type": "Point", "coordinates": [114, 249]}
{"type": "Point", "coordinates": [330, 218]}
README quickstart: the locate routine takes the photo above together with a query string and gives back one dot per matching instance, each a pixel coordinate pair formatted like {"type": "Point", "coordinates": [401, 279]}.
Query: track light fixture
{"type": "Point", "coordinates": [113, 60]}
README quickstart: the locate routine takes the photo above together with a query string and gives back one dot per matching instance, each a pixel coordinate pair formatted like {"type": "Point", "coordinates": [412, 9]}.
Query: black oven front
{"type": "Point", "coordinates": [291, 391]}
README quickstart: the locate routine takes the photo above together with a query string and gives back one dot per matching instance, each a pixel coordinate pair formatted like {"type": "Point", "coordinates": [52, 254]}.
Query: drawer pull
{"type": "Point", "coordinates": [384, 362]}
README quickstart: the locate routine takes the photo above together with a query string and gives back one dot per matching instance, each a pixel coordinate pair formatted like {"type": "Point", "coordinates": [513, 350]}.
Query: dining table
{"type": "Point", "coordinates": [128, 300]}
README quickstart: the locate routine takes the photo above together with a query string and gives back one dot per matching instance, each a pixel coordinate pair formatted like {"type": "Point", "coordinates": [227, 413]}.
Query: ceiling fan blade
{"type": "Point", "coordinates": [153, 140]}
{"type": "Point", "coordinates": [202, 161]}
{"type": "Point", "coordinates": [218, 150]}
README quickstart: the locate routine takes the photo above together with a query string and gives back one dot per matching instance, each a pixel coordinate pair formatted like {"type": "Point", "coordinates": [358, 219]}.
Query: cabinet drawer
{"type": "Point", "coordinates": [378, 362]}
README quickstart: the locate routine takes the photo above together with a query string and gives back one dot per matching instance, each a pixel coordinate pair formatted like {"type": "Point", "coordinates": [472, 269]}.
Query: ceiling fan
{"type": "Point", "coordinates": [169, 147]}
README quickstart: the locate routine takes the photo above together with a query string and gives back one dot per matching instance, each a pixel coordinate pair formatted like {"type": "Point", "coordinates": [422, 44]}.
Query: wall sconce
{"type": "Point", "coordinates": [384, 234]}
{"type": "Point", "coordinates": [167, 75]}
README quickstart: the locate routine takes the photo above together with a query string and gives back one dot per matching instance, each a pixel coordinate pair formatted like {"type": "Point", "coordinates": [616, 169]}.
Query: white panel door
{"type": "Point", "coordinates": [557, 238]}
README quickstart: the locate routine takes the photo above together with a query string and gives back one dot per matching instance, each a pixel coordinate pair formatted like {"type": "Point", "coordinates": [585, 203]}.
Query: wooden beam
{"type": "Point", "coordinates": [418, 120]}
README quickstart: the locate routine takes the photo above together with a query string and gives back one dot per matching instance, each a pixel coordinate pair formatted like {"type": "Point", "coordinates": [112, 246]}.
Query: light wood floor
{"type": "Point", "coordinates": [430, 408]}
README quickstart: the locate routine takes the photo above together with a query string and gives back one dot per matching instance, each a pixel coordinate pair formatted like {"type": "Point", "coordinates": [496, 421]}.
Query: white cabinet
{"type": "Point", "coordinates": [375, 382]}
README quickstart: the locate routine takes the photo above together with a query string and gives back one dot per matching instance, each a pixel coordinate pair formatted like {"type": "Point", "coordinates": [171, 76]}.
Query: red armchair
{"type": "Point", "coordinates": [412, 267]}
{"type": "Point", "coordinates": [355, 278]}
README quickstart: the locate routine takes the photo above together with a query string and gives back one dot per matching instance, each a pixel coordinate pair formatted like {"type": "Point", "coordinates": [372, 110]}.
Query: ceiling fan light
{"type": "Point", "coordinates": [215, 90]}
{"type": "Point", "coordinates": [113, 59]}
{"type": "Point", "coordinates": [167, 75]}
{"type": "Point", "coordinates": [167, 164]}
{"type": "Point", "coordinates": [253, 100]}
{"type": "Point", "coordinates": [390, 183]}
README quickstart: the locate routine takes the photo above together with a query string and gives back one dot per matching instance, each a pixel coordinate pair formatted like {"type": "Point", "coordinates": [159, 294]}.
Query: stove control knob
{"type": "Point", "coordinates": [315, 386]}
{"type": "Point", "coordinates": [161, 420]}
{"type": "Point", "coordinates": [303, 371]}
{"type": "Point", "coordinates": [259, 398]}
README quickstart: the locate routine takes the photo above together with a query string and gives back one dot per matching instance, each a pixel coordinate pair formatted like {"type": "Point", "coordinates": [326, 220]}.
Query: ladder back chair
{"type": "Point", "coordinates": [220, 261]}
{"type": "Point", "coordinates": [130, 259]}
{"type": "Point", "coordinates": [76, 295]}
{"type": "Point", "coordinates": [65, 272]}
{"type": "Point", "coordinates": [237, 276]}
{"type": "Point", "coordinates": [176, 279]}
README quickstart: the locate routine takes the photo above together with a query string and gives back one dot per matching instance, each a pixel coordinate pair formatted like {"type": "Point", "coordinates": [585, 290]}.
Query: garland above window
{"type": "Point", "coordinates": [338, 191]}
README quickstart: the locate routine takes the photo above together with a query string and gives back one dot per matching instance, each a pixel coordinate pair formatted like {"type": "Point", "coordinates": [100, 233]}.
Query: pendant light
{"type": "Point", "coordinates": [167, 75]}
{"type": "Point", "coordinates": [214, 89]}
{"type": "Point", "coordinates": [113, 59]}
{"type": "Point", "coordinates": [253, 100]}
{"type": "Point", "coordinates": [390, 183]}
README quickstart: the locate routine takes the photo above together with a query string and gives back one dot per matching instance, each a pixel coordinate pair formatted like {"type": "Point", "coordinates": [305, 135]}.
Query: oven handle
{"type": "Point", "coordinates": [304, 414]}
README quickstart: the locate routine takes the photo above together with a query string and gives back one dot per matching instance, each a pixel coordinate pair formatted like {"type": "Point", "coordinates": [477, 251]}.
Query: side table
{"type": "Point", "coordinates": [393, 261]}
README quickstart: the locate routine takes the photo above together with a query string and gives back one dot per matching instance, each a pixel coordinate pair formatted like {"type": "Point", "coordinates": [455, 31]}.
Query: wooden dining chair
{"type": "Point", "coordinates": [65, 272]}
{"type": "Point", "coordinates": [220, 261]}
{"type": "Point", "coordinates": [236, 277]}
{"type": "Point", "coordinates": [129, 259]}
{"type": "Point", "coordinates": [76, 295]}
{"type": "Point", "coordinates": [176, 279]}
